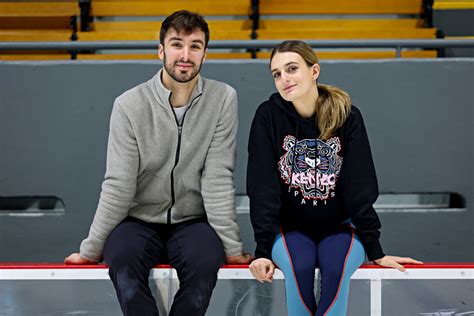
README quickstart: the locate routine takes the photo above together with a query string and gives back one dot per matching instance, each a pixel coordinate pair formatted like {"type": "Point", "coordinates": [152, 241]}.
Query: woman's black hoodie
{"type": "Point", "coordinates": [298, 182]}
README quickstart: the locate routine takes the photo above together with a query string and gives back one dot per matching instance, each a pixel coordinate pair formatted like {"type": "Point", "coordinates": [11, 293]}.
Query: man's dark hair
{"type": "Point", "coordinates": [186, 22]}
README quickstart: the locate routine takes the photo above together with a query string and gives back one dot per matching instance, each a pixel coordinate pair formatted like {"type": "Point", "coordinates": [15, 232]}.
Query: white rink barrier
{"type": "Point", "coordinates": [427, 271]}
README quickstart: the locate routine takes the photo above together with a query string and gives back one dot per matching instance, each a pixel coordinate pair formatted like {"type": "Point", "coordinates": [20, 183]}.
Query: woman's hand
{"type": "Point", "coordinates": [262, 269]}
{"type": "Point", "coordinates": [396, 262]}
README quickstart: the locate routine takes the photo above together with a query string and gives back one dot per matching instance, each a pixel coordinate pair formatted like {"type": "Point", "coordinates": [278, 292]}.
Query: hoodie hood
{"type": "Point", "coordinates": [307, 124]}
{"type": "Point", "coordinates": [288, 108]}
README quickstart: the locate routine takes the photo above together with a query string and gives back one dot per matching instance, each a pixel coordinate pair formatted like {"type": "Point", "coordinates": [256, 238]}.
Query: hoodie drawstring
{"type": "Point", "coordinates": [293, 149]}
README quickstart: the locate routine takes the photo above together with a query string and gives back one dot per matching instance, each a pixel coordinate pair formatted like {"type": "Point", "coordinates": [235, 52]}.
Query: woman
{"type": "Point", "coordinates": [311, 182]}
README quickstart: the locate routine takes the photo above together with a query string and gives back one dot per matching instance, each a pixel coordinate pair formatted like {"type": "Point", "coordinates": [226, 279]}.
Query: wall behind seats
{"type": "Point", "coordinates": [54, 123]}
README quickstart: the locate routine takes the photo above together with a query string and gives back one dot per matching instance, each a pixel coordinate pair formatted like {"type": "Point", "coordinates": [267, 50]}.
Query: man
{"type": "Point", "coordinates": [168, 193]}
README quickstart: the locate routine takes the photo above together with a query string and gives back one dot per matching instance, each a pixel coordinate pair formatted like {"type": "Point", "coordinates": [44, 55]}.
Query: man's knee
{"type": "Point", "coordinates": [126, 268]}
{"type": "Point", "coordinates": [207, 265]}
{"type": "Point", "coordinates": [121, 258]}
{"type": "Point", "coordinates": [130, 294]}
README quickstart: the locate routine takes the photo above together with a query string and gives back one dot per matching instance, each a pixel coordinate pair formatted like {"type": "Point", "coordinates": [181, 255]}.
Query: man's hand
{"type": "Point", "coordinates": [244, 258]}
{"type": "Point", "coordinates": [262, 269]}
{"type": "Point", "coordinates": [396, 262]}
{"type": "Point", "coordinates": [75, 258]}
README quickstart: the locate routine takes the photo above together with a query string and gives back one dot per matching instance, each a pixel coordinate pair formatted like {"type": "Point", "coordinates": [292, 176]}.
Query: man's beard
{"type": "Point", "coordinates": [179, 76]}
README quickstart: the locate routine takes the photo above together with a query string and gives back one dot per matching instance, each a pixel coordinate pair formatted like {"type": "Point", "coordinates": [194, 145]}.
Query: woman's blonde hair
{"type": "Point", "coordinates": [333, 104]}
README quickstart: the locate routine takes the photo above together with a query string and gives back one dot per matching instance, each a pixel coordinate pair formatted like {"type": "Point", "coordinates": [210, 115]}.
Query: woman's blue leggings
{"type": "Point", "coordinates": [338, 256]}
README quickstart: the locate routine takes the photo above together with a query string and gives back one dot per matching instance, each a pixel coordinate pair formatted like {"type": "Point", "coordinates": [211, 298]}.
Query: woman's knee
{"type": "Point", "coordinates": [300, 258]}
{"type": "Point", "coordinates": [333, 272]}
{"type": "Point", "coordinates": [303, 267]}
{"type": "Point", "coordinates": [350, 263]}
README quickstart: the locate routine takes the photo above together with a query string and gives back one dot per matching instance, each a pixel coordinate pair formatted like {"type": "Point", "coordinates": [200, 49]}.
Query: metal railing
{"type": "Point", "coordinates": [398, 45]}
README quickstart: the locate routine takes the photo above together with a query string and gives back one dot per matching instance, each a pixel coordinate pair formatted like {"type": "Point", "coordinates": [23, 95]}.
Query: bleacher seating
{"type": "Point", "coordinates": [37, 22]}
{"type": "Point", "coordinates": [455, 19]}
{"type": "Point", "coordinates": [453, 5]}
{"type": "Point", "coordinates": [346, 20]}
{"type": "Point", "coordinates": [111, 20]}
{"type": "Point", "coordinates": [146, 30]}
{"type": "Point", "coordinates": [340, 7]}
{"type": "Point", "coordinates": [229, 22]}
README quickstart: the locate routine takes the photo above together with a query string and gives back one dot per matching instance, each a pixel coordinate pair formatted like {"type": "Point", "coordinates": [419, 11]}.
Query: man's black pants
{"type": "Point", "coordinates": [192, 248]}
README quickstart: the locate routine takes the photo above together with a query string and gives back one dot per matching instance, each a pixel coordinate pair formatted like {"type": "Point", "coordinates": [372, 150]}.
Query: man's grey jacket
{"type": "Point", "coordinates": [162, 173]}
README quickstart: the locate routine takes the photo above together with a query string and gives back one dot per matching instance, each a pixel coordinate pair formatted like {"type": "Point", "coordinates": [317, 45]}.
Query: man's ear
{"type": "Point", "coordinates": [205, 55]}
{"type": "Point", "coordinates": [316, 71]}
{"type": "Point", "coordinates": [161, 52]}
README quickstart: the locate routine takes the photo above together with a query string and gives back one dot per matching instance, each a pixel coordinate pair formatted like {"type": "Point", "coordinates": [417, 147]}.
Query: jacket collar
{"type": "Point", "coordinates": [163, 94]}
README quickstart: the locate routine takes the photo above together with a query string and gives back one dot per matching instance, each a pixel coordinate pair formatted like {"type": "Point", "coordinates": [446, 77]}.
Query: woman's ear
{"type": "Point", "coordinates": [316, 71]}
